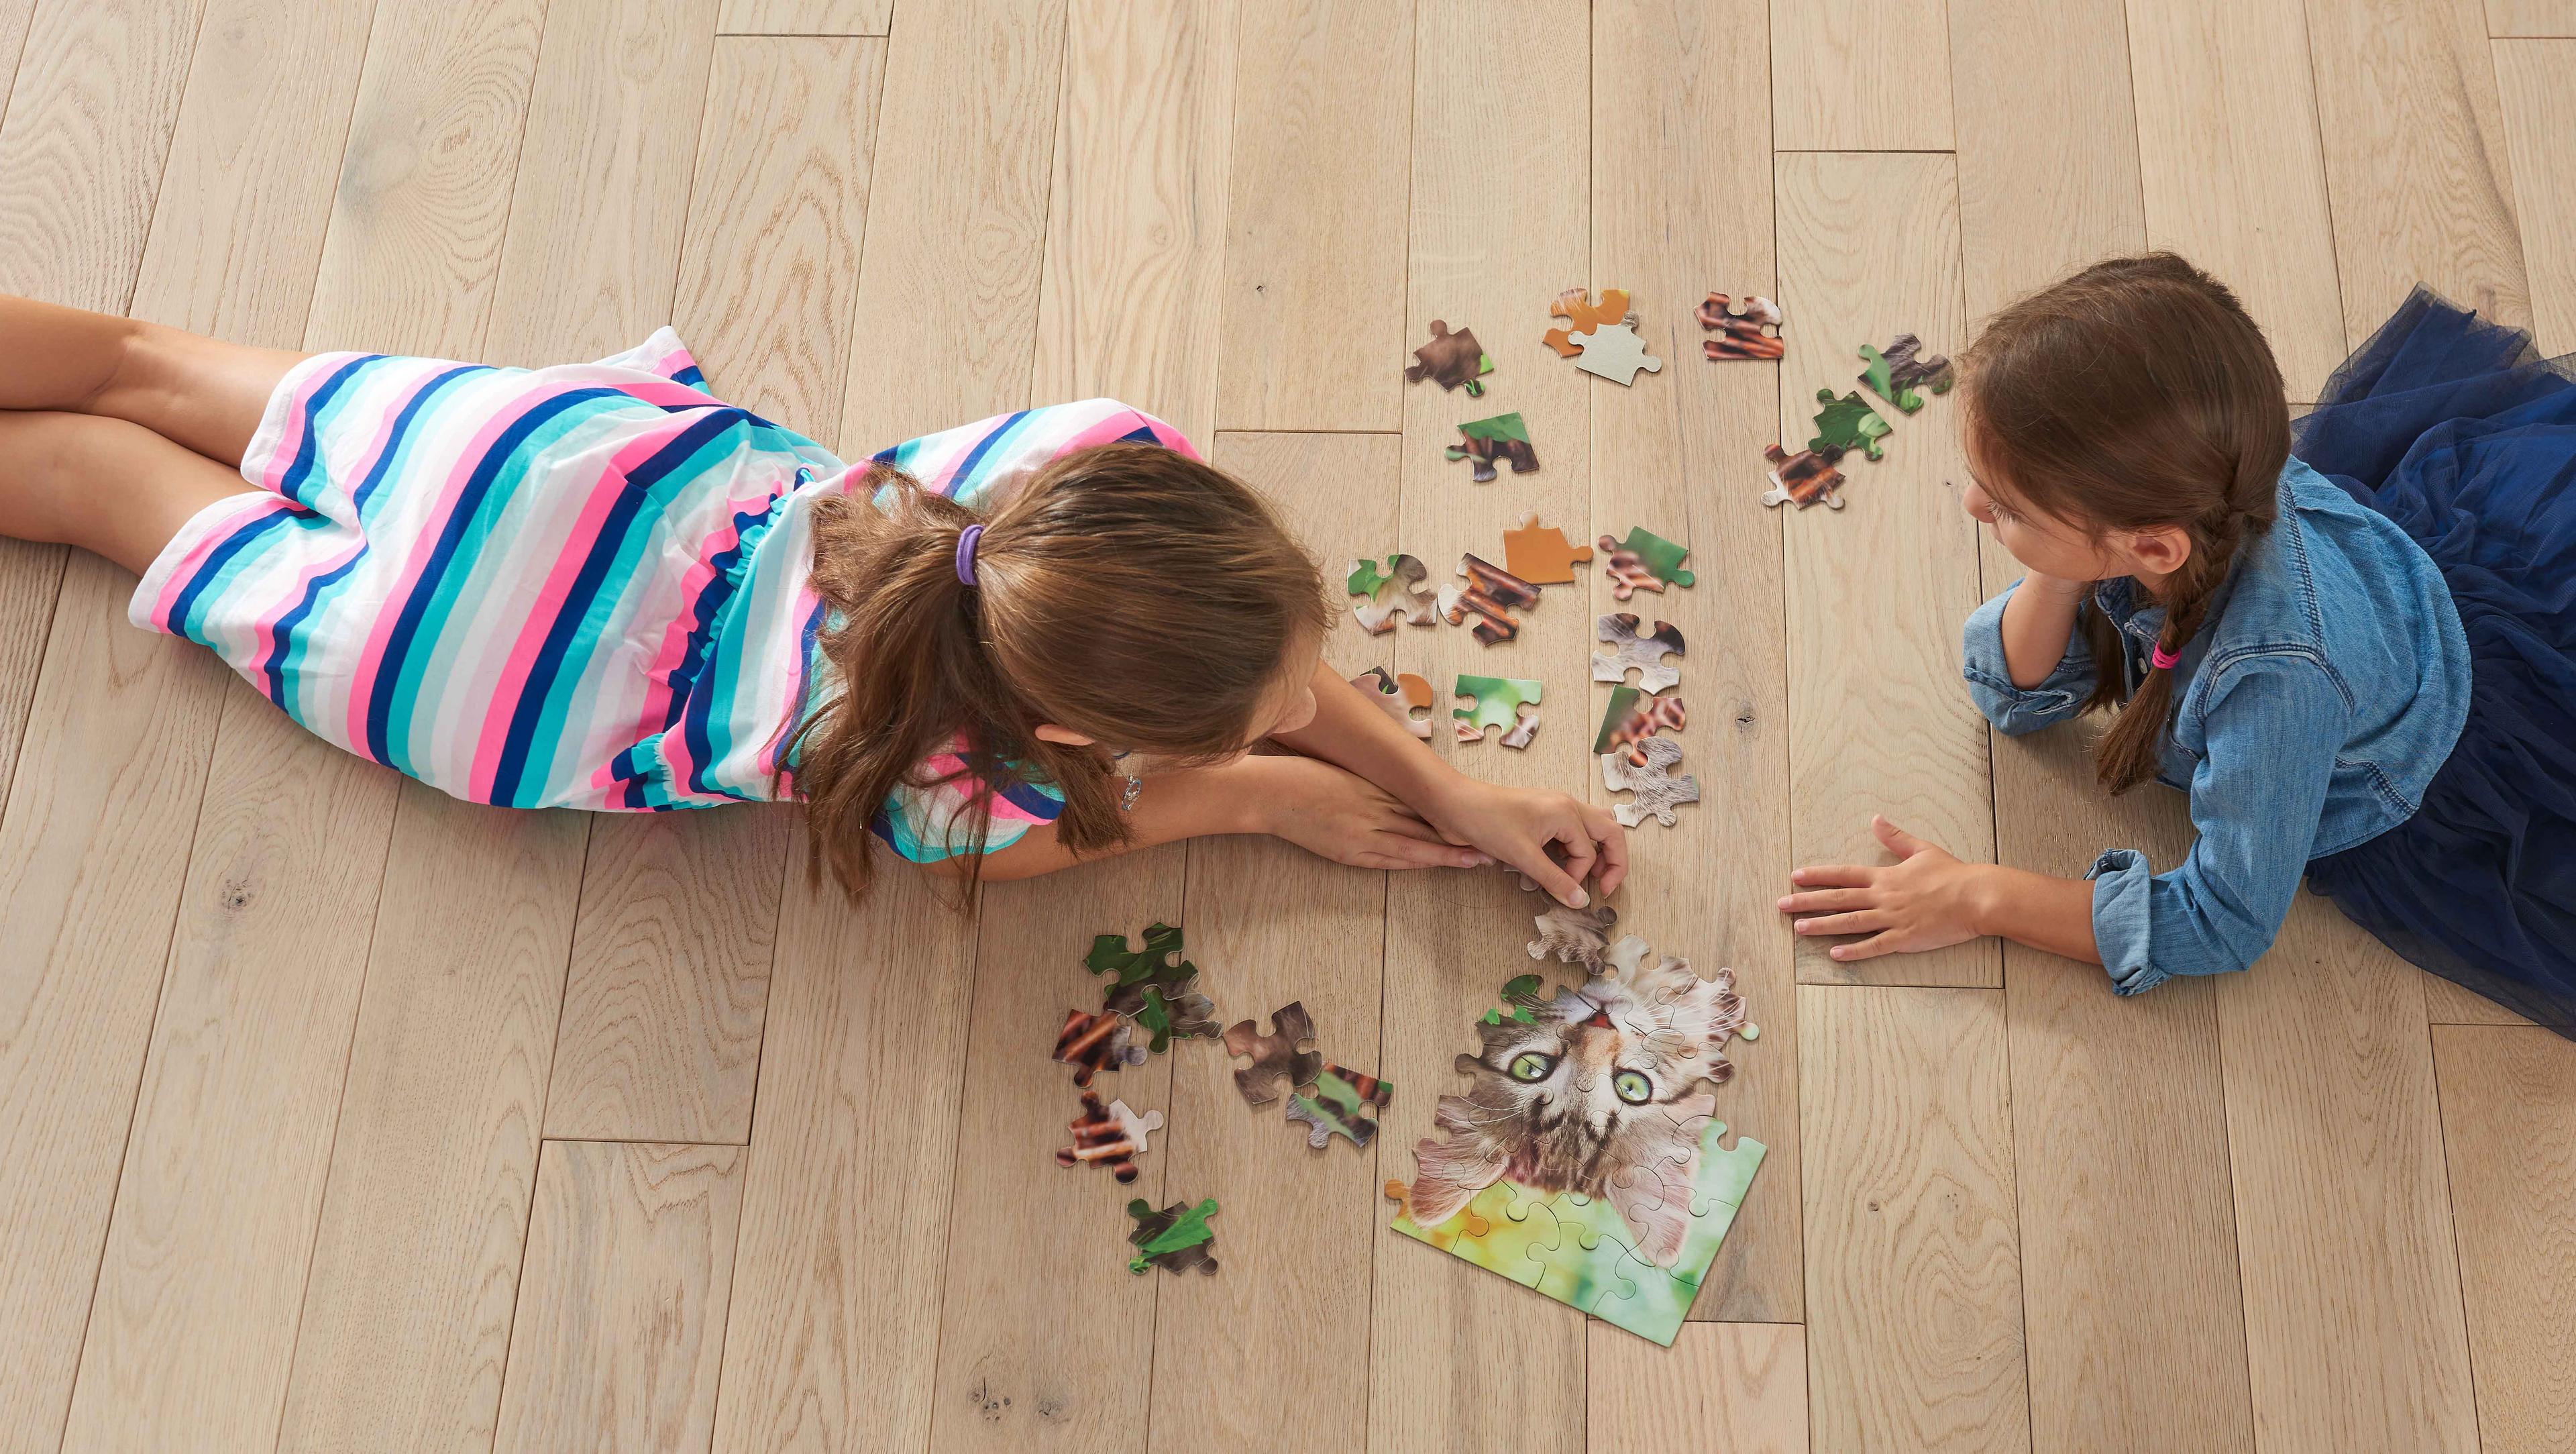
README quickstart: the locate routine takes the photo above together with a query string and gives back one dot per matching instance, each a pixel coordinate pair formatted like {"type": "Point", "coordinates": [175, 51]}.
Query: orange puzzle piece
{"type": "Point", "coordinates": [1541, 555]}
{"type": "Point", "coordinates": [1582, 316]}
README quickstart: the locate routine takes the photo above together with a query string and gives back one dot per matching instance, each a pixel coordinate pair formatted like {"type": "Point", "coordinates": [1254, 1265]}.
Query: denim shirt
{"type": "Point", "coordinates": [2310, 713]}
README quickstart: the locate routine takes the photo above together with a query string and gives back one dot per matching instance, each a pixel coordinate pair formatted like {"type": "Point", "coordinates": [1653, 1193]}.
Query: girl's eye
{"type": "Point", "coordinates": [1531, 1065]}
{"type": "Point", "coordinates": [1633, 1087]}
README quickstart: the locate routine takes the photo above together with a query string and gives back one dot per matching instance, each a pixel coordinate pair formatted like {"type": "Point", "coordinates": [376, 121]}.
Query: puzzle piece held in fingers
{"type": "Point", "coordinates": [1401, 694]}
{"type": "Point", "coordinates": [1894, 375]}
{"type": "Point", "coordinates": [1502, 437]}
{"type": "Point", "coordinates": [1506, 702]}
{"type": "Point", "coordinates": [1396, 593]}
{"type": "Point", "coordinates": [1456, 360]}
{"type": "Point", "coordinates": [1644, 653]}
{"type": "Point", "coordinates": [1644, 770]}
{"type": "Point", "coordinates": [1490, 595]}
{"type": "Point", "coordinates": [1112, 1136]}
{"type": "Point", "coordinates": [1277, 1062]}
{"type": "Point", "coordinates": [1740, 329]}
{"type": "Point", "coordinates": [1803, 478]}
{"type": "Point", "coordinates": [1340, 1106]}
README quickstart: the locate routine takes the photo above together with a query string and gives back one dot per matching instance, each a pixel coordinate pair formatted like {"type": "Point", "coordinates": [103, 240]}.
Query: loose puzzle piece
{"type": "Point", "coordinates": [1490, 594]}
{"type": "Point", "coordinates": [1803, 478]}
{"type": "Point", "coordinates": [1894, 374]}
{"type": "Point", "coordinates": [1848, 423]}
{"type": "Point", "coordinates": [1154, 987]}
{"type": "Point", "coordinates": [1644, 561]}
{"type": "Point", "coordinates": [1454, 359]}
{"type": "Point", "coordinates": [1111, 1136]}
{"type": "Point", "coordinates": [1093, 1043]}
{"type": "Point", "coordinates": [1643, 770]}
{"type": "Point", "coordinates": [1277, 1063]}
{"type": "Point", "coordinates": [1395, 593]}
{"type": "Point", "coordinates": [1581, 315]}
{"type": "Point", "coordinates": [1740, 329]}
{"type": "Point", "coordinates": [1175, 1239]}
{"type": "Point", "coordinates": [1340, 1105]}
{"type": "Point", "coordinates": [1502, 437]}
{"type": "Point", "coordinates": [1541, 555]}
{"type": "Point", "coordinates": [1633, 717]}
{"type": "Point", "coordinates": [1574, 936]}
{"type": "Point", "coordinates": [1628, 649]}
{"type": "Point", "coordinates": [1401, 694]}
{"type": "Point", "coordinates": [1613, 352]}
{"type": "Point", "coordinates": [1521, 999]}
{"type": "Point", "coordinates": [1497, 703]}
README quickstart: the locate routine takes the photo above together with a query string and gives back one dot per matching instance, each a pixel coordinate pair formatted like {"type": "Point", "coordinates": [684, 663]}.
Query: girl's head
{"type": "Point", "coordinates": [2127, 421]}
{"type": "Point", "coordinates": [1125, 598]}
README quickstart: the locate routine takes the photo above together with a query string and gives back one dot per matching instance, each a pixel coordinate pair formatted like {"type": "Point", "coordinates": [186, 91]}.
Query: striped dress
{"type": "Point", "coordinates": [582, 586]}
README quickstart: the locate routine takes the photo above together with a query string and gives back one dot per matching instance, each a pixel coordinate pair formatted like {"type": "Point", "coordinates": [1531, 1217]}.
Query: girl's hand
{"type": "Point", "coordinates": [1928, 900]}
{"type": "Point", "coordinates": [1348, 819]}
{"type": "Point", "coordinates": [1516, 825]}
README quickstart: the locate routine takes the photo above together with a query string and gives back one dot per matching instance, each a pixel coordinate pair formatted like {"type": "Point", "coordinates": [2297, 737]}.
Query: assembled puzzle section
{"type": "Point", "coordinates": [1747, 331]}
{"type": "Point", "coordinates": [1395, 593]}
{"type": "Point", "coordinates": [1456, 360]}
{"type": "Point", "coordinates": [1339, 1105]}
{"type": "Point", "coordinates": [1502, 437]}
{"type": "Point", "coordinates": [1510, 703]}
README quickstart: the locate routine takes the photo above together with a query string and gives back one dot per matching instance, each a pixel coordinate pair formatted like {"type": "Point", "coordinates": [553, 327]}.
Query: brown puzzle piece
{"type": "Point", "coordinates": [1453, 359]}
{"type": "Point", "coordinates": [1740, 329]}
{"type": "Point", "coordinates": [1277, 1063]}
{"type": "Point", "coordinates": [1490, 594]}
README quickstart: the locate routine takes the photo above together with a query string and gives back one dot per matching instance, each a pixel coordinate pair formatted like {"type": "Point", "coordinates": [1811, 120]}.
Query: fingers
{"type": "Point", "coordinates": [1613, 839]}
{"type": "Point", "coordinates": [1861, 922]}
{"type": "Point", "coordinates": [1564, 887]}
{"type": "Point", "coordinates": [1580, 855]}
{"type": "Point", "coordinates": [1875, 945]}
{"type": "Point", "coordinates": [1405, 850]}
{"type": "Point", "coordinates": [1828, 900]}
{"type": "Point", "coordinates": [1898, 841]}
{"type": "Point", "coordinates": [1833, 875]}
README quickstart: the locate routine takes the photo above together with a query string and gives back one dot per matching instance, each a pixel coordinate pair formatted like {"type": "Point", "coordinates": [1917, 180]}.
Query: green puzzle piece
{"type": "Point", "coordinates": [1521, 992]}
{"type": "Point", "coordinates": [1659, 555]}
{"type": "Point", "coordinates": [1153, 986]}
{"type": "Point", "coordinates": [1186, 1228]}
{"type": "Point", "coordinates": [1501, 426]}
{"type": "Point", "coordinates": [1364, 580]}
{"type": "Point", "coordinates": [1159, 961]}
{"type": "Point", "coordinates": [1340, 1106]}
{"type": "Point", "coordinates": [1848, 423]}
{"type": "Point", "coordinates": [1498, 700]}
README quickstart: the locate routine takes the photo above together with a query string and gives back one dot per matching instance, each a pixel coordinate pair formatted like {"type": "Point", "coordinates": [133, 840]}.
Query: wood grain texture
{"type": "Point", "coordinates": [2539, 117]}
{"type": "Point", "coordinates": [1876, 592]}
{"type": "Point", "coordinates": [804, 17]}
{"type": "Point", "coordinates": [2446, 1003]}
{"type": "Point", "coordinates": [1739, 1387]}
{"type": "Point", "coordinates": [2415, 158]}
{"type": "Point", "coordinates": [1135, 234]}
{"type": "Point", "coordinates": [1681, 184]}
{"type": "Point", "coordinates": [834, 1329]}
{"type": "Point", "coordinates": [407, 1310]}
{"type": "Point", "coordinates": [1314, 318]}
{"type": "Point", "coordinates": [2234, 170]}
{"type": "Point", "coordinates": [2343, 1221]}
{"type": "Point", "coordinates": [2548, 18]}
{"type": "Point", "coordinates": [1847, 75]}
{"type": "Point", "coordinates": [14, 18]}
{"type": "Point", "coordinates": [1914, 1330]}
{"type": "Point", "coordinates": [2509, 1139]}
{"type": "Point", "coordinates": [620, 1326]}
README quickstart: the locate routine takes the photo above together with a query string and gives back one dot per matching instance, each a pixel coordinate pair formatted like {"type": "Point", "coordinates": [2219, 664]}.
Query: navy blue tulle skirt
{"type": "Point", "coordinates": [2455, 429]}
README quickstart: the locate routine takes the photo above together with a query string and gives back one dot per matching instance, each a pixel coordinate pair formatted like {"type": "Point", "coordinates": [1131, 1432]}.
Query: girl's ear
{"type": "Point", "coordinates": [2162, 549]}
{"type": "Point", "coordinates": [1063, 736]}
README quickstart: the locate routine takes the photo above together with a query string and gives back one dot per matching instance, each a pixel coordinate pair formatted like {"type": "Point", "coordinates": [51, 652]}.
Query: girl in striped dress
{"type": "Point", "coordinates": [998, 650]}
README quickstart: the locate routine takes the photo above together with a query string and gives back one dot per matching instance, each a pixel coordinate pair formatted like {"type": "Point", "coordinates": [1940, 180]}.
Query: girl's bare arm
{"type": "Point", "coordinates": [2036, 623]}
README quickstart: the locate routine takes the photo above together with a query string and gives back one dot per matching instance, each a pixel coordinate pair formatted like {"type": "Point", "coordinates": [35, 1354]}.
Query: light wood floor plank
{"type": "Point", "coordinates": [1875, 593]}
{"type": "Point", "coordinates": [2509, 1137]}
{"type": "Point", "coordinates": [620, 1326]}
{"type": "Point", "coordinates": [2448, 1004]}
{"type": "Point", "coordinates": [2415, 158]}
{"type": "Point", "coordinates": [2539, 117]}
{"type": "Point", "coordinates": [2343, 1216]}
{"type": "Point", "coordinates": [14, 18]}
{"type": "Point", "coordinates": [1914, 1331]}
{"type": "Point", "coordinates": [1847, 75]}
{"type": "Point", "coordinates": [1314, 318]}
{"type": "Point", "coordinates": [1440, 1380]}
{"type": "Point", "coordinates": [803, 17]}
{"type": "Point", "coordinates": [2543, 18]}
{"type": "Point", "coordinates": [2234, 170]}
{"type": "Point", "coordinates": [1740, 1387]}
{"type": "Point", "coordinates": [1681, 207]}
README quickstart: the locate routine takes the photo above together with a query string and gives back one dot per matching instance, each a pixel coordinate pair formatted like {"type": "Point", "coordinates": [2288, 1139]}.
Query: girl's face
{"type": "Point", "coordinates": [2053, 546]}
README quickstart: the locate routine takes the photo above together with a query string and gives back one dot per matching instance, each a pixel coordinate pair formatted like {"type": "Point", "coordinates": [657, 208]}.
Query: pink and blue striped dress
{"type": "Point", "coordinates": [582, 586]}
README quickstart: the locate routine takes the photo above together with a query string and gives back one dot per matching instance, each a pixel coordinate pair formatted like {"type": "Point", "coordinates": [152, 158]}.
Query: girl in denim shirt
{"type": "Point", "coordinates": [2360, 660]}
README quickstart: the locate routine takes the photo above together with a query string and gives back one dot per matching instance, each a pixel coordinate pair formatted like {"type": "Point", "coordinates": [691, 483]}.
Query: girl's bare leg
{"type": "Point", "coordinates": [105, 485]}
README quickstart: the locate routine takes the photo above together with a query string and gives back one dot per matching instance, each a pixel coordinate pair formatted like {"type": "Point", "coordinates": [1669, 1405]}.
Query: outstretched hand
{"type": "Point", "coordinates": [1516, 826]}
{"type": "Point", "coordinates": [1927, 899]}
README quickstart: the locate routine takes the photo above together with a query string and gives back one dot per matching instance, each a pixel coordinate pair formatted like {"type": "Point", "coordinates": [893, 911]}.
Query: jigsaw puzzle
{"type": "Point", "coordinates": [1894, 374]}
{"type": "Point", "coordinates": [1175, 1239]}
{"type": "Point", "coordinates": [1803, 478]}
{"type": "Point", "coordinates": [1111, 1136]}
{"type": "Point", "coordinates": [1585, 1161]}
{"type": "Point", "coordinates": [1340, 1106]}
{"type": "Point", "coordinates": [1582, 315]}
{"type": "Point", "coordinates": [1632, 717]}
{"type": "Point", "coordinates": [1848, 423]}
{"type": "Point", "coordinates": [1644, 770]}
{"type": "Point", "coordinates": [1454, 359]}
{"type": "Point", "coordinates": [1643, 653]}
{"type": "Point", "coordinates": [1541, 555]}
{"type": "Point", "coordinates": [1740, 328]}
{"type": "Point", "coordinates": [1277, 1063]}
{"type": "Point", "coordinates": [1401, 694]}
{"type": "Point", "coordinates": [1615, 353]}
{"type": "Point", "coordinates": [1396, 593]}
{"type": "Point", "coordinates": [1574, 936]}
{"type": "Point", "coordinates": [1502, 437]}
{"type": "Point", "coordinates": [1490, 594]}
{"type": "Point", "coordinates": [1093, 1043]}
{"type": "Point", "coordinates": [1644, 562]}
{"type": "Point", "coordinates": [1497, 702]}
{"type": "Point", "coordinates": [1521, 1001]}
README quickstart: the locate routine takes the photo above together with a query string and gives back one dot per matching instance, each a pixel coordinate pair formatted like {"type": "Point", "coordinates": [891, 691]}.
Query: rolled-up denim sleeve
{"type": "Point", "coordinates": [2016, 710]}
{"type": "Point", "coordinates": [2256, 798]}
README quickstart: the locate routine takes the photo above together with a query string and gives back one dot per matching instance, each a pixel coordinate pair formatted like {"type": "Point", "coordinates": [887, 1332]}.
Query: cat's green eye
{"type": "Point", "coordinates": [1531, 1065]}
{"type": "Point", "coordinates": [1633, 1087]}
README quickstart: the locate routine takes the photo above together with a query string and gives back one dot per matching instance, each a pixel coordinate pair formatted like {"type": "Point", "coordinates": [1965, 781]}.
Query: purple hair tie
{"type": "Point", "coordinates": [966, 539]}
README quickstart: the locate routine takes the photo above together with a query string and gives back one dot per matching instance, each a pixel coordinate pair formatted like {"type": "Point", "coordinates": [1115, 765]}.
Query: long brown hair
{"type": "Point", "coordinates": [2136, 393]}
{"type": "Point", "coordinates": [1128, 592]}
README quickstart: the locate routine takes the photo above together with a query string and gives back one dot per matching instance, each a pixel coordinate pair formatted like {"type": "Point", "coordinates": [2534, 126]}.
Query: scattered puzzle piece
{"type": "Point", "coordinates": [1395, 593]}
{"type": "Point", "coordinates": [1497, 703]}
{"type": "Point", "coordinates": [1111, 1136]}
{"type": "Point", "coordinates": [1340, 1105]}
{"type": "Point", "coordinates": [1645, 653]}
{"type": "Point", "coordinates": [1277, 1063]}
{"type": "Point", "coordinates": [1633, 717]}
{"type": "Point", "coordinates": [1521, 993]}
{"type": "Point", "coordinates": [1740, 329]}
{"type": "Point", "coordinates": [1401, 694]}
{"type": "Point", "coordinates": [1541, 555]}
{"type": "Point", "coordinates": [1894, 374]}
{"type": "Point", "coordinates": [1093, 1043]}
{"type": "Point", "coordinates": [1643, 770]}
{"type": "Point", "coordinates": [1613, 352]}
{"type": "Point", "coordinates": [1490, 594]}
{"type": "Point", "coordinates": [1574, 936]}
{"type": "Point", "coordinates": [1644, 561]}
{"type": "Point", "coordinates": [1456, 360]}
{"type": "Point", "coordinates": [1848, 423]}
{"type": "Point", "coordinates": [1502, 437]}
{"type": "Point", "coordinates": [1804, 478]}
{"type": "Point", "coordinates": [1154, 986]}
{"type": "Point", "coordinates": [1581, 315]}
{"type": "Point", "coordinates": [1175, 1239]}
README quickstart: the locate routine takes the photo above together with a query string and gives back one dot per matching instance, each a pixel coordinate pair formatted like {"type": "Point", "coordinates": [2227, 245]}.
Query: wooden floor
{"type": "Point", "coordinates": [338, 1115]}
